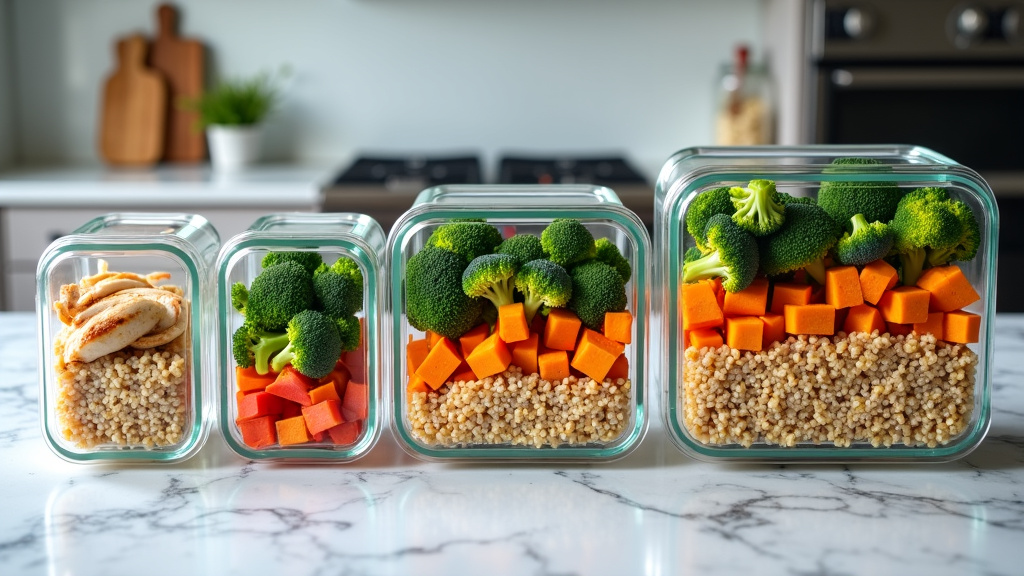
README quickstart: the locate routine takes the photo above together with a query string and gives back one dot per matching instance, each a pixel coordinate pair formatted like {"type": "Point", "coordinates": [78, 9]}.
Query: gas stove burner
{"type": "Point", "coordinates": [413, 172]}
{"type": "Point", "coordinates": [568, 170]}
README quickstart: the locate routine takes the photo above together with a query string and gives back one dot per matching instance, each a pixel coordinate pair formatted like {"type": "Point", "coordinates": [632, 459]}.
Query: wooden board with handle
{"type": "Point", "coordinates": [180, 61]}
{"type": "Point", "coordinates": [133, 109]}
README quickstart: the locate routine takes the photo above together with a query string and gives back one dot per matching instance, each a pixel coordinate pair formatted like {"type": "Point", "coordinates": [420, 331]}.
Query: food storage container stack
{"type": "Point", "coordinates": [518, 324]}
{"type": "Point", "coordinates": [824, 303]}
{"type": "Point", "coordinates": [299, 299]}
{"type": "Point", "coordinates": [125, 309]}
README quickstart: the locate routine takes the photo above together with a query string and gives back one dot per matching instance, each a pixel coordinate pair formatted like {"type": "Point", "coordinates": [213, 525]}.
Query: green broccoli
{"type": "Point", "coordinates": [566, 241]}
{"type": "Point", "coordinates": [733, 256]}
{"type": "Point", "coordinates": [338, 295]}
{"type": "Point", "coordinates": [314, 345]}
{"type": "Point", "coordinates": [525, 247]}
{"type": "Point", "coordinates": [348, 267]}
{"type": "Point", "coordinates": [785, 198]}
{"type": "Point", "coordinates": [702, 208]}
{"type": "Point", "coordinates": [758, 210]}
{"type": "Point", "coordinates": [970, 239]}
{"type": "Point", "coordinates": [309, 260]}
{"type": "Point", "coordinates": [253, 347]}
{"type": "Point", "coordinates": [605, 251]}
{"type": "Point", "coordinates": [467, 239]}
{"type": "Point", "coordinates": [277, 294]}
{"type": "Point", "coordinates": [239, 297]}
{"type": "Point", "coordinates": [596, 288]}
{"type": "Point", "coordinates": [433, 293]}
{"type": "Point", "coordinates": [692, 253]}
{"type": "Point", "coordinates": [842, 200]}
{"type": "Point", "coordinates": [803, 241]}
{"type": "Point", "coordinates": [868, 242]}
{"type": "Point", "coordinates": [928, 222]}
{"type": "Point", "coordinates": [351, 332]}
{"type": "Point", "coordinates": [491, 276]}
{"type": "Point", "coordinates": [542, 282]}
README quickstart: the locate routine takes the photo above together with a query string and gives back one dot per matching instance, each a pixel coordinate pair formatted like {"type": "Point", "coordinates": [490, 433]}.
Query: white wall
{"type": "Point", "coordinates": [634, 76]}
{"type": "Point", "coordinates": [6, 89]}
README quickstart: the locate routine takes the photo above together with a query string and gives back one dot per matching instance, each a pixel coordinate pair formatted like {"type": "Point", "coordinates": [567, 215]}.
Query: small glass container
{"type": "Point", "coordinates": [124, 305]}
{"type": "Point", "coordinates": [744, 103]}
{"type": "Point", "coordinates": [522, 418]}
{"type": "Point", "coordinates": [335, 417]}
{"type": "Point", "coordinates": [839, 396]}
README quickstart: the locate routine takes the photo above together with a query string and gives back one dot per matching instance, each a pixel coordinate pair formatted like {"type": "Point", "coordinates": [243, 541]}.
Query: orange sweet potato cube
{"type": "Point", "coordinates": [783, 294]}
{"type": "Point", "coordinates": [513, 327]}
{"type": "Point", "coordinates": [439, 364]}
{"type": "Point", "coordinates": [561, 329]}
{"type": "Point", "coordinates": [473, 338]}
{"type": "Point", "coordinates": [292, 431]}
{"type": "Point", "coordinates": [751, 301]}
{"type": "Point", "coordinates": [933, 325]}
{"type": "Point", "coordinates": [774, 328]}
{"type": "Point", "coordinates": [817, 319]}
{"type": "Point", "coordinates": [904, 305]}
{"type": "Point", "coordinates": [595, 354]}
{"type": "Point", "coordinates": [705, 338]}
{"type": "Point", "coordinates": [961, 327]}
{"type": "Point", "coordinates": [948, 288]}
{"type": "Point", "coordinates": [864, 318]}
{"type": "Point", "coordinates": [744, 332]}
{"type": "Point", "coordinates": [490, 357]}
{"type": "Point", "coordinates": [524, 353]}
{"type": "Point", "coordinates": [553, 365]}
{"type": "Point", "coordinates": [619, 326]}
{"type": "Point", "coordinates": [842, 287]}
{"type": "Point", "coordinates": [875, 278]}
{"type": "Point", "coordinates": [700, 306]}
{"type": "Point", "coordinates": [619, 369]}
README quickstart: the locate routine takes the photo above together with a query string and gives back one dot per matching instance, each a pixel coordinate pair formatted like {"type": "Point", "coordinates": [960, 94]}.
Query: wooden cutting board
{"type": "Point", "coordinates": [134, 106]}
{"type": "Point", "coordinates": [180, 61]}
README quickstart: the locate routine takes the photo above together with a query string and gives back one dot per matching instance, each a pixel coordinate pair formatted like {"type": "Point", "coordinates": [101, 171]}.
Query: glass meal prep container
{"type": "Point", "coordinates": [299, 331]}
{"type": "Point", "coordinates": [125, 307]}
{"type": "Point", "coordinates": [518, 324]}
{"type": "Point", "coordinates": [845, 340]}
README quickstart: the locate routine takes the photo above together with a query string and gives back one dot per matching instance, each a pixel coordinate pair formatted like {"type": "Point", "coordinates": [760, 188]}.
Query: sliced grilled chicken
{"type": "Point", "coordinates": [171, 302]}
{"type": "Point", "coordinates": [112, 329]}
{"type": "Point", "coordinates": [154, 339]}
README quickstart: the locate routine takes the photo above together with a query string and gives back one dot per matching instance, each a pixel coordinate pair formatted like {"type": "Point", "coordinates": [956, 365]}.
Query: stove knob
{"type": "Point", "coordinates": [971, 22]}
{"type": "Point", "coordinates": [858, 23]}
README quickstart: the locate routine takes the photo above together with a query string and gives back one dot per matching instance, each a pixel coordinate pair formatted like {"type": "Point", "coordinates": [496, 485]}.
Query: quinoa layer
{"type": "Point", "coordinates": [880, 389]}
{"type": "Point", "coordinates": [514, 409]}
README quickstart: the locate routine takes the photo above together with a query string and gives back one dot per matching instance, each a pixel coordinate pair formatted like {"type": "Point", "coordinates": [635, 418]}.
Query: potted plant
{"type": "Point", "coordinates": [232, 114]}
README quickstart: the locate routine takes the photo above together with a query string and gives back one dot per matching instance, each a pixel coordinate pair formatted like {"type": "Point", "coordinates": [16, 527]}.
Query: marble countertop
{"type": "Point", "coordinates": [655, 512]}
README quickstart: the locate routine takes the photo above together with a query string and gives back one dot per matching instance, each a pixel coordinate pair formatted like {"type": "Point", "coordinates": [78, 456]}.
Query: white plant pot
{"type": "Point", "coordinates": [233, 147]}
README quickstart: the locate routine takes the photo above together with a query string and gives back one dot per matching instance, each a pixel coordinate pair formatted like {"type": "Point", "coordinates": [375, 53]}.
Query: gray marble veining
{"type": "Point", "coordinates": [655, 512]}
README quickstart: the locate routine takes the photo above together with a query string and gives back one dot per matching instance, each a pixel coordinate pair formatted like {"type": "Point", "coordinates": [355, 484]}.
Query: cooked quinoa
{"type": "Point", "coordinates": [513, 409]}
{"type": "Point", "coordinates": [857, 388]}
{"type": "Point", "coordinates": [127, 398]}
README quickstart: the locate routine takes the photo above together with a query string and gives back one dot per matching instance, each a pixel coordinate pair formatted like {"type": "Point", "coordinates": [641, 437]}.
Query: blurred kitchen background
{"type": "Point", "coordinates": [385, 97]}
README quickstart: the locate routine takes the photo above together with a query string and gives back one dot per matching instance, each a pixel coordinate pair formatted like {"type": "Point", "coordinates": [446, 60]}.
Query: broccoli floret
{"type": "Point", "coordinates": [842, 200]}
{"type": "Point", "coordinates": [491, 276]}
{"type": "Point", "coordinates": [348, 267]}
{"type": "Point", "coordinates": [314, 345]}
{"type": "Point", "coordinates": [338, 295]}
{"type": "Point", "coordinates": [433, 293]}
{"type": "Point", "coordinates": [970, 239]}
{"type": "Point", "coordinates": [605, 251]}
{"type": "Point", "coordinates": [351, 332]}
{"type": "Point", "coordinates": [733, 256]}
{"type": "Point", "coordinates": [927, 221]}
{"type": "Point", "coordinates": [542, 282]}
{"type": "Point", "coordinates": [277, 294]}
{"type": "Point", "coordinates": [525, 247]}
{"type": "Point", "coordinates": [758, 211]}
{"type": "Point", "coordinates": [868, 242]}
{"type": "Point", "coordinates": [692, 253]}
{"type": "Point", "coordinates": [567, 241]}
{"type": "Point", "coordinates": [239, 297]}
{"type": "Point", "coordinates": [803, 241]}
{"type": "Point", "coordinates": [467, 239]}
{"type": "Point", "coordinates": [309, 260]}
{"type": "Point", "coordinates": [702, 208]}
{"type": "Point", "coordinates": [596, 288]}
{"type": "Point", "coordinates": [785, 198]}
{"type": "Point", "coordinates": [253, 347]}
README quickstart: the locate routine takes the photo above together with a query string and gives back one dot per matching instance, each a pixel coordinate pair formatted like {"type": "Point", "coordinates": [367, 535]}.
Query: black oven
{"type": "Point", "coordinates": [948, 75]}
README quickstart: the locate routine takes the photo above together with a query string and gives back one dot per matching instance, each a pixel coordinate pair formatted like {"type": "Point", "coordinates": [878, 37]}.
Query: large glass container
{"type": "Point", "coordinates": [900, 373]}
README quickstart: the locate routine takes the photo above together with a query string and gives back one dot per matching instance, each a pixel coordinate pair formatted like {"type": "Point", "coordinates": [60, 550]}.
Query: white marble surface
{"type": "Point", "coordinates": [655, 512]}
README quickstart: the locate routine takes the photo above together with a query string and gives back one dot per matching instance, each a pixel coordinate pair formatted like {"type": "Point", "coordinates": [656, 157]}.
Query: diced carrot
{"type": "Point", "coordinates": [561, 329]}
{"type": "Point", "coordinates": [292, 431]}
{"type": "Point", "coordinates": [463, 374]}
{"type": "Point", "coordinates": [323, 392]}
{"type": "Point", "coordinates": [875, 278]}
{"type": "Point", "coordinates": [553, 365]}
{"type": "Point", "coordinates": [524, 353]}
{"type": "Point", "coordinates": [897, 329]}
{"type": "Point", "coordinates": [774, 328]}
{"type": "Point", "coordinates": [706, 338]}
{"type": "Point", "coordinates": [248, 380]}
{"type": "Point", "coordinates": [961, 327]}
{"type": "Point", "coordinates": [259, 404]}
{"type": "Point", "coordinates": [904, 305]}
{"type": "Point", "coordinates": [700, 307]}
{"type": "Point", "coordinates": [473, 338]}
{"type": "Point", "coordinates": [513, 323]}
{"type": "Point", "coordinates": [344, 433]}
{"type": "Point", "coordinates": [842, 287]}
{"type": "Point", "coordinates": [433, 338]}
{"type": "Point", "coordinates": [415, 353]}
{"type": "Point", "coordinates": [744, 332]}
{"type": "Point", "coordinates": [784, 293]}
{"type": "Point", "coordinates": [948, 288]}
{"type": "Point", "coordinates": [619, 369]}
{"type": "Point", "coordinates": [259, 432]}
{"type": "Point", "coordinates": [933, 325]}
{"type": "Point", "coordinates": [864, 318]}
{"type": "Point", "coordinates": [356, 403]}
{"type": "Point", "coordinates": [416, 384]}
{"type": "Point", "coordinates": [323, 415]}
{"type": "Point", "coordinates": [810, 319]}
{"type": "Point", "coordinates": [715, 283]}
{"type": "Point", "coordinates": [291, 385]}
{"type": "Point", "coordinates": [751, 301]}
{"type": "Point", "coordinates": [440, 363]}
{"type": "Point", "coordinates": [490, 357]}
{"type": "Point", "coordinates": [595, 354]}
{"type": "Point", "coordinates": [619, 326]}
{"type": "Point", "coordinates": [339, 377]}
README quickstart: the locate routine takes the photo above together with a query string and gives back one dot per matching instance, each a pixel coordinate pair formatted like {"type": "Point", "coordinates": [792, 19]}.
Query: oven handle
{"type": "Point", "coordinates": [978, 78]}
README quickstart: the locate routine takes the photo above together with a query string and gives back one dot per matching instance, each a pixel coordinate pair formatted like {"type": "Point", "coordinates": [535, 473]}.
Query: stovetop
{"type": "Point", "coordinates": [412, 172]}
{"type": "Point", "coordinates": [606, 171]}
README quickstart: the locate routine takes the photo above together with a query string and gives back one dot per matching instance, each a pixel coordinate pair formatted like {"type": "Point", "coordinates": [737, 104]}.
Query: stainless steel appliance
{"type": "Point", "coordinates": [945, 74]}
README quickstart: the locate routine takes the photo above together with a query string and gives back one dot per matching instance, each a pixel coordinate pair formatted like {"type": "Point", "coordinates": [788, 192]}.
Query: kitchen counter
{"type": "Point", "coordinates": [654, 512]}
